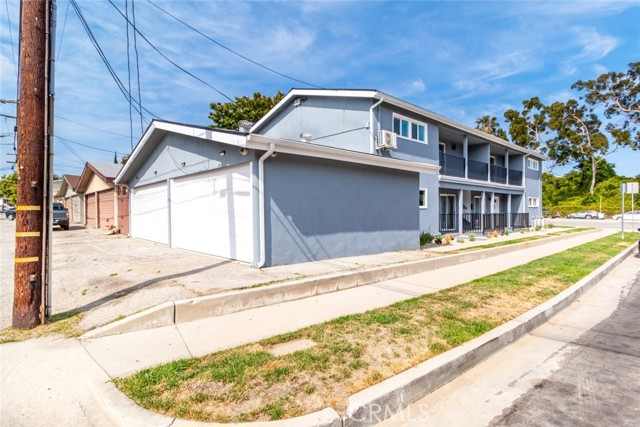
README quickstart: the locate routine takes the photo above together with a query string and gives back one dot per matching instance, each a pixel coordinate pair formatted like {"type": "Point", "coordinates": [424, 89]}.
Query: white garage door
{"type": "Point", "coordinates": [212, 213]}
{"type": "Point", "coordinates": [149, 215]}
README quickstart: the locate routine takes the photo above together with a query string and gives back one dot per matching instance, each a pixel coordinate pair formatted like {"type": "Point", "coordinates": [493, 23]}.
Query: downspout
{"type": "Point", "coordinates": [263, 254]}
{"type": "Point", "coordinates": [371, 133]}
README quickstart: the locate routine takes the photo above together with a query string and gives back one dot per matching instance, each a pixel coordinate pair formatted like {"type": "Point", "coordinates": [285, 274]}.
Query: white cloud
{"type": "Point", "coordinates": [593, 45]}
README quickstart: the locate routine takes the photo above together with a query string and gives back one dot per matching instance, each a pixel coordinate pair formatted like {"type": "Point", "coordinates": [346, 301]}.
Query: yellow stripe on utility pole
{"type": "Point", "coordinates": [27, 234]}
{"type": "Point", "coordinates": [28, 259]}
{"type": "Point", "coordinates": [27, 208]}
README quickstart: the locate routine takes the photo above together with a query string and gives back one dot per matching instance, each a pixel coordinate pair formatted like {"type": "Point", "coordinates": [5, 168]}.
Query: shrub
{"type": "Point", "coordinates": [426, 238]}
{"type": "Point", "coordinates": [495, 233]}
{"type": "Point", "coordinates": [538, 228]}
{"type": "Point", "coordinates": [506, 232]}
{"type": "Point", "coordinates": [437, 239]}
{"type": "Point", "coordinates": [460, 239]}
{"type": "Point", "coordinates": [472, 237]}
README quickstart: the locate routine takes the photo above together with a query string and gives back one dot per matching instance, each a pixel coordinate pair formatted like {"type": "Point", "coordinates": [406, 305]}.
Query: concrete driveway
{"type": "Point", "coordinates": [109, 276]}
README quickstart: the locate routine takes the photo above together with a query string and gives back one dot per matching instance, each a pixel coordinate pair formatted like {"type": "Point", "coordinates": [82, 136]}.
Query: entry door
{"type": "Point", "coordinates": [212, 213]}
{"type": "Point", "coordinates": [447, 211]}
{"type": "Point", "coordinates": [496, 204]}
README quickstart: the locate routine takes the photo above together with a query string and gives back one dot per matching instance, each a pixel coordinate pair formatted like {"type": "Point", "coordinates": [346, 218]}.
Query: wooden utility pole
{"type": "Point", "coordinates": [33, 141]}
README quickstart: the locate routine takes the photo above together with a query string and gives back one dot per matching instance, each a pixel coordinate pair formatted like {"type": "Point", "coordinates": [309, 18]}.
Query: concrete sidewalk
{"type": "Point", "coordinates": [69, 379]}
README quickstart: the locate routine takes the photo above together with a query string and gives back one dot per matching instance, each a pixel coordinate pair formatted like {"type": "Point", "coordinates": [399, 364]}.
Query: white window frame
{"type": "Point", "coordinates": [533, 164]}
{"type": "Point", "coordinates": [410, 123]}
{"type": "Point", "coordinates": [425, 199]}
{"type": "Point", "coordinates": [533, 202]}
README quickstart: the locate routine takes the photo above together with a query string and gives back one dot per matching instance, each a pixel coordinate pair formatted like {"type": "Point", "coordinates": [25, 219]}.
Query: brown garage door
{"type": "Point", "coordinates": [123, 210]}
{"type": "Point", "coordinates": [106, 211]}
{"type": "Point", "coordinates": [92, 212]}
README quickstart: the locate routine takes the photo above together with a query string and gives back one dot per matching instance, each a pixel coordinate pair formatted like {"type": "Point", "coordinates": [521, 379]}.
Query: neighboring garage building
{"type": "Point", "coordinates": [268, 201]}
{"type": "Point", "coordinates": [100, 194]}
{"type": "Point", "coordinates": [71, 199]}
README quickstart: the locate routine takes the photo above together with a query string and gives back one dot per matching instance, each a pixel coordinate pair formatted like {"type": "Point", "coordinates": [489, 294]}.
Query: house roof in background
{"type": "Point", "coordinates": [105, 171]}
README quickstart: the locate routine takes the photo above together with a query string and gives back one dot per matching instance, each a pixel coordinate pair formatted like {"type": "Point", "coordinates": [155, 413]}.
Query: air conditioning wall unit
{"type": "Point", "coordinates": [387, 140]}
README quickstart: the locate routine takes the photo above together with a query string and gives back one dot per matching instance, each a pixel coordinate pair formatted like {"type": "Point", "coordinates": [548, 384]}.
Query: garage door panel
{"type": "Point", "coordinates": [212, 213]}
{"type": "Point", "coordinates": [106, 208]}
{"type": "Point", "coordinates": [149, 214]}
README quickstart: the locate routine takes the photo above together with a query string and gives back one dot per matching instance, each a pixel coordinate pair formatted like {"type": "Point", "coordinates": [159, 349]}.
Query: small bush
{"type": "Point", "coordinates": [472, 237]}
{"type": "Point", "coordinates": [426, 238]}
{"type": "Point", "coordinates": [495, 233]}
{"type": "Point", "coordinates": [506, 232]}
{"type": "Point", "coordinates": [460, 239]}
{"type": "Point", "coordinates": [538, 228]}
{"type": "Point", "coordinates": [448, 239]}
{"type": "Point", "coordinates": [549, 225]}
{"type": "Point", "coordinates": [437, 239]}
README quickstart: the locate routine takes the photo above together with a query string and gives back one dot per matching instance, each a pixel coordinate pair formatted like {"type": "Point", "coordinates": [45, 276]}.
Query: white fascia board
{"type": "Point", "coordinates": [165, 127]}
{"type": "Point", "coordinates": [479, 183]}
{"type": "Point", "coordinates": [261, 142]}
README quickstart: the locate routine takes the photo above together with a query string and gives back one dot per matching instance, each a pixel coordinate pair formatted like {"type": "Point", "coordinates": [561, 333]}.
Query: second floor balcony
{"type": "Point", "coordinates": [451, 165]}
{"type": "Point", "coordinates": [480, 171]}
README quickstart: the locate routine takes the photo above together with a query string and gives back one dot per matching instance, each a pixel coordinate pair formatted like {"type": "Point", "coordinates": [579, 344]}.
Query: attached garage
{"type": "Point", "coordinates": [149, 218]}
{"type": "Point", "coordinates": [212, 213]}
{"type": "Point", "coordinates": [100, 194]}
{"type": "Point", "coordinates": [106, 208]}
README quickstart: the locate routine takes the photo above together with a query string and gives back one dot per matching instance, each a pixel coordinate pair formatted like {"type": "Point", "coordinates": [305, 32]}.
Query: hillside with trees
{"type": "Point", "coordinates": [603, 118]}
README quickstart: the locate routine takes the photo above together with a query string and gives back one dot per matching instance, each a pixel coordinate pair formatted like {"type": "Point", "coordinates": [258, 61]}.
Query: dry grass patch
{"type": "Point", "coordinates": [356, 351]}
{"type": "Point", "coordinates": [65, 324]}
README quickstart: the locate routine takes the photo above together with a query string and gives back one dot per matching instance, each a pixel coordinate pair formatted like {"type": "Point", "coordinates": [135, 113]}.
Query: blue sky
{"type": "Point", "coordinates": [458, 59]}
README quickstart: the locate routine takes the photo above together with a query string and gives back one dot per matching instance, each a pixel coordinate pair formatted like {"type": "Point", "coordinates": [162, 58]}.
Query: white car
{"type": "Point", "coordinates": [628, 216]}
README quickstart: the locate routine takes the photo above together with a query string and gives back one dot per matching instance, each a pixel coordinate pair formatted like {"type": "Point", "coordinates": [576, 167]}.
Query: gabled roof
{"type": "Point", "coordinates": [67, 181]}
{"type": "Point", "coordinates": [107, 172]}
{"type": "Point", "coordinates": [158, 129]}
{"type": "Point", "coordinates": [388, 99]}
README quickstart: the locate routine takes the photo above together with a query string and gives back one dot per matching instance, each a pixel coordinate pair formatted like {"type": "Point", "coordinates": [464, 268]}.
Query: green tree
{"type": "Point", "coordinates": [227, 115]}
{"type": "Point", "coordinates": [9, 187]}
{"type": "Point", "coordinates": [577, 136]}
{"type": "Point", "coordinates": [619, 95]}
{"type": "Point", "coordinates": [115, 157]}
{"type": "Point", "coordinates": [490, 125]}
{"type": "Point", "coordinates": [529, 127]}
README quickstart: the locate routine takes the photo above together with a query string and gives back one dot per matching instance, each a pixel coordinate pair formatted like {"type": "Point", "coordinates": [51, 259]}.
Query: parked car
{"type": "Point", "coordinates": [60, 215]}
{"type": "Point", "coordinates": [10, 213]}
{"type": "Point", "coordinates": [587, 215]}
{"type": "Point", "coordinates": [628, 216]}
{"type": "Point", "coordinates": [548, 213]}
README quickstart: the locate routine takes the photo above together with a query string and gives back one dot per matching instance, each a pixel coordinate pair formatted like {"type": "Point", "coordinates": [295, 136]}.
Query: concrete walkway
{"type": "Point", "coordinates": [67, 380]}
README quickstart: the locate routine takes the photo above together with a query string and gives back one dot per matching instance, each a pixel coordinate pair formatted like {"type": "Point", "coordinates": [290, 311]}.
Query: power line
{"type": "Point", "coordinates": [233, 51]}
{"type": "Point", "coordinates": [64, 25]}
{"type": "Point", "coordinates": [135, 48]}
{"type": "Point", "coordinates": [71, 150]}
{"type": "Point", "coordinates": [126, 8]}
{"type": "Point", "coordinates": [166, 57]}
{"type": "Point", "coordinates": [88, 146]}
{"type": "Point", "coordinates": [13, 53]}
{"type": "Point", "coordinates": [92, 127]}
{"type": "Point", "coordinates": [102, 55]}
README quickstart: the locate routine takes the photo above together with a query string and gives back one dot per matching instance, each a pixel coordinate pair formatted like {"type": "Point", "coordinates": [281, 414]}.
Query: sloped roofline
{"type": "Point", "coordinates": [86, 174]}
{"type": "Point", "coordinates": [157, 129]}
{"type": "Point", "coordinates": [388, 99]}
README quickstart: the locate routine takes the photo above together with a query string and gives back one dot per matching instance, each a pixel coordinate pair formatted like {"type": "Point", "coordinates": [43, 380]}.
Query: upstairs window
{"type": "Point", "coordinates": [409, 129]}
{"type": "Point", "coordinates": [533, 164]}
{"type": "Point", "coordinates": [533, 202]}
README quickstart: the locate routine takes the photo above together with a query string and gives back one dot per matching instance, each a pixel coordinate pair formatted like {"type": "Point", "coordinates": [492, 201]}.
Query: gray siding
{"type": "Point", "coordinates": [198, 155]}
{"type": "Point", "coordinates": [332, 122]}
{"type": "Point", "coordinates": [320, 209]}
{"type": "Point", "coordinates": [429, 216]}
{"type": "Point", "coordinates": [533, 188]}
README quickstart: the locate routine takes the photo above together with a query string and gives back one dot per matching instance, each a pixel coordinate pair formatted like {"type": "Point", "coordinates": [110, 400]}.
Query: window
{"type": "Point", "coordinates": [533, 164]}
{"type": "Point", "coordinates": [409, 129]}
{"type": "Point", "coordinates": [423, 198]}
{"type": "Point", "coordinates": [533, 202]}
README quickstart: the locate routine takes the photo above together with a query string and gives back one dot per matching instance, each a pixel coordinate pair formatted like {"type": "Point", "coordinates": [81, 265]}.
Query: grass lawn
{"type": "Point", "coordinates": [353, 352]}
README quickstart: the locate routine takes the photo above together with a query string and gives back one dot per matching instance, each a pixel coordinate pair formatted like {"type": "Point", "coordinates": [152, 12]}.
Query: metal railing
{"type": "Point", "coordinates": [451, 165]}
{"type": "Point", "coordinates": [519, 220]}
{"type": "Point", "coordinates": [477, 170]}
{"type": "Point", "coordinates": [494, 221]}
{"type": "Point", "coordinates": [448, 222]}
{"type": "Point", "coordinates": [472, 223]}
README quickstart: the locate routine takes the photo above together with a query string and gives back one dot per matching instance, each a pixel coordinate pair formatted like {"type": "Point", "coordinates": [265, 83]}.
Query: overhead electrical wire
{"type": "Point", "coordinates": [112, 72]}
{"type": "Point", "coordinates": [88, 146]}
{"type": "Point", "coordinates": [64, 25]}
{"type": "Point", "coordinates": [126, 9]}
{"type": "Point", "coordinates": [71, 150]}
{"type": "Point", "coordinates": [135, 48]}
{"type": "Point", "coordinates": [233, 51]}
{"type": "Point", "coordinates": [92, 127]}
{"type": "Point", "coordinates": [166, 57]}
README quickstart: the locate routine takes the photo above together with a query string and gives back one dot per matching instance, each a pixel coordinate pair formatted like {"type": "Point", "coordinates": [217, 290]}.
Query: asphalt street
{"type": "Point", "coordinates": [582, 368]}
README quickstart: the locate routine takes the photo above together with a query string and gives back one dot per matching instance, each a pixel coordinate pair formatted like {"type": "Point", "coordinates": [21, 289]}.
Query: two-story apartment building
{"type": "Point", "coordinates": [484, 182]}
{"type": "Point", "coordinates": [325, 174]}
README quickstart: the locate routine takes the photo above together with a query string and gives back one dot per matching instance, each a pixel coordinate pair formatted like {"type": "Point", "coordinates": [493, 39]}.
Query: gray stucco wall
{"type": "Point", "coordinates": [198, 155]}
{"type": "Point", "coordinates": [332, 122]}
{"type": "Point", "coordinates": [533, 188]}
{"type": "Point", "coordinates": [321, 209]}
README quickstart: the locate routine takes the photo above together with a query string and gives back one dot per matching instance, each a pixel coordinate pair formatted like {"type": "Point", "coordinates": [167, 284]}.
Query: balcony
{"type": "Point", "coordinates": [451, 165]}
{"type": "Point", "coordinates": [498, 174]}
{"type": "Point", "coordinates": [478, 170]}
{"type": "Point", "coordinates": [515, 177]}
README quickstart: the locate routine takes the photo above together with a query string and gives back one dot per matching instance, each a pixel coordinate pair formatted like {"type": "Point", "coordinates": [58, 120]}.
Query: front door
{"type": "Point", "coordinates": [447, 212]}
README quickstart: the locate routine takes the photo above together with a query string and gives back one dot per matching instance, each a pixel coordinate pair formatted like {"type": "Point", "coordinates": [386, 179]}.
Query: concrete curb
{"type": "Point", "coordinates": [372, 405]}
{"type": "Point", "coordinates": [124, 412]}
{"type": "Point", "coordinates": [188, 310]}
